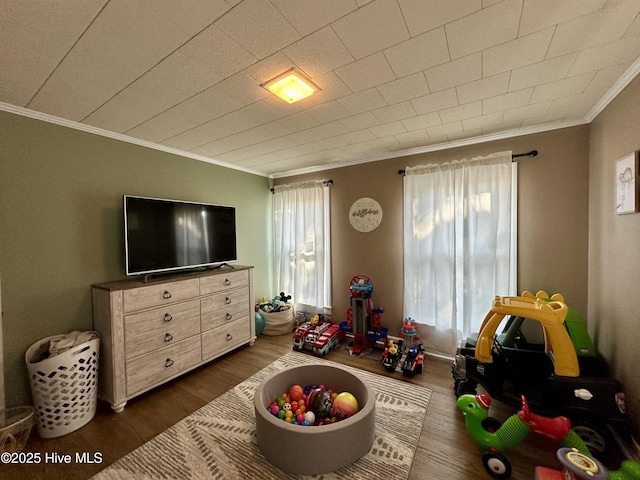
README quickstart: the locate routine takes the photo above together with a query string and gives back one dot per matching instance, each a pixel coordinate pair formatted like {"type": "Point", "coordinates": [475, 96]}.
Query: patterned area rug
{"type": "Point", "coordinates": [219, 440]}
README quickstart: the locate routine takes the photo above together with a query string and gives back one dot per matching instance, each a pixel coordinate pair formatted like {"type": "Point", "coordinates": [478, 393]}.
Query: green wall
{"type": "Point", "coordinates": [61, 227]}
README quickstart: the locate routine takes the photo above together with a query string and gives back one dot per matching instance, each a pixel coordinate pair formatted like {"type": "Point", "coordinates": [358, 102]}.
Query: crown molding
{"type": "Point", "coordinates": [45, 117]}
{"type": "Point", "coordinates": [613, 92]}
{"type": "Point", "coordinates": [436, 147]}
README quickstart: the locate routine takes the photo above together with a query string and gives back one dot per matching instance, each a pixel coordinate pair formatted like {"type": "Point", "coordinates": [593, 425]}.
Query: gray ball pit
{"type": "Point", "coordinates": [318, 449]}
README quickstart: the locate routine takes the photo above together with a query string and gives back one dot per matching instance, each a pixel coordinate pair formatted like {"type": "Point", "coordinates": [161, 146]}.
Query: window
{"type": "Point", "coordinates": [301, 245]}
{"type": "Point", "coordinates": [459, 244]}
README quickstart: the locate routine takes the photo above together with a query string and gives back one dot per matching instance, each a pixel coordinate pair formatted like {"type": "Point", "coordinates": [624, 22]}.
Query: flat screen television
{"type": "Point", "coordinates": [164, 235]}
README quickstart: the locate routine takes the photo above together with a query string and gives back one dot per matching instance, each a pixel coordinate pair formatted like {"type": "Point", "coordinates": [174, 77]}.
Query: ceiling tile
{"type": "Point", "coordinates": [483, 88]}
{"type": "Point", "coordinates": [398, 111]}
{"type": "Point", "coordinates": [507, 101]}
{"type": "Point", "coordinates": [386, 129]}
{"type": "Point", "coordinates": [486, 28]}
{"type": "Point", "coordinates": [482, 121]}
{"type": "Point", "coordinates": [561, 88]}
{"type": "Point", "coordinates": [192, 19]}
{"type": "Point", "coordinates": [613, 53]}
{"type": "Point", "coordinates": [328, 112]}
{"type": "Point", "coordinates": [606, 77]}
{"type": "Point", "coordinates": [541, 72]}
{"type": "Point", "coordinates": [419, 53]}
{"type": "Point", "coordinates": [406, 88]}
{"type": "Point", "coordinates": [218, 52]}
{"type": "Point", "coordinates": [123, 43]}
{"type": "Point", "coordinates": [173, 80]}
{"type": "Point", "coordinates": [527, 111]}
{"type": "Point", "coordinates": [424, 15]}
{"type": "Point", "coordinates": [363, 101]}
{"type": "Point", "coordinates": [360, 121]}
{"type": "Point", "coordinates": [435, 101]}
{"type": "Point", "coordinates": [454, 128]}
{"type": "Point", "coordinates": [516, 53]}
{"type": "Point", "coordinates": [421, 122]}
{"type": "Point", "coordinates": [307, 16]}
{"type": "Point", "coordinates": [457, 72]}
{"type": "Point", "coordinates": [371, 28]}
{"type": "Point", "coordinates": [602, 26]}
{"type": "Point", "coordinates": [461, 112]}
{"type": "Point", "coordinates": [44, 33]}
{"type": "Point", "coordinates": [319, 52]}
{"type": "Point", "coordinates": [541, 14]}
{"type": "Point", "coordinates": [366, 73]}
{"type": "Point", "coordinates": [258, 27]}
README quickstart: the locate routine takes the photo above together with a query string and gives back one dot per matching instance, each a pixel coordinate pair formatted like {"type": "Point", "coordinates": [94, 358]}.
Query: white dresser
{"type": "Point", "coordinates": [153, 331]}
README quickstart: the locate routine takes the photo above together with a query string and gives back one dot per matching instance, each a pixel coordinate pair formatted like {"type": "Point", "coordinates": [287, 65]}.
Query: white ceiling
{"type": "Point", "coordinates": [397, 76]}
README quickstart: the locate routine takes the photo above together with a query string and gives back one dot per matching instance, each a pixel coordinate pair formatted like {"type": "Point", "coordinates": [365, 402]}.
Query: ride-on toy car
{"type": "Point", "coordinates": [544, 352]}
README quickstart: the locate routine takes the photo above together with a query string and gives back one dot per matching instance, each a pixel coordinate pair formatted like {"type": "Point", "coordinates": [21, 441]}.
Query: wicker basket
{"type": "Point", "coordinates": [15, 427]}
{"type": "Point", "coordinates": [64, 386]}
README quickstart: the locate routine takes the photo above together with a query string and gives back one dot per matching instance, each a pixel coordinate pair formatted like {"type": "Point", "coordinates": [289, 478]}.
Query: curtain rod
{"type": "Point", "coordinates": [326, 182]}
{"type": "Point", "coordinates": [532, 153]}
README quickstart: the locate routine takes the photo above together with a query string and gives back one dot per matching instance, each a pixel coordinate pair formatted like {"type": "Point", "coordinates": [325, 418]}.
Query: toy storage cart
{"type": "Point", "coordinates": [64, 386]}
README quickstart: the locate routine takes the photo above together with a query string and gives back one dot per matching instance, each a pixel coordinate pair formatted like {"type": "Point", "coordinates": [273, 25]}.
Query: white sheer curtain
{"type": "Point", "coordinates": [301, 242]}
{"type": "Point", "coordinates": [459, 245]}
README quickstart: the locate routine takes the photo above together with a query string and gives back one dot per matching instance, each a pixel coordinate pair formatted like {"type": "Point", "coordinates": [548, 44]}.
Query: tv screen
{"type": "Point", "coordinates": [163, 235]}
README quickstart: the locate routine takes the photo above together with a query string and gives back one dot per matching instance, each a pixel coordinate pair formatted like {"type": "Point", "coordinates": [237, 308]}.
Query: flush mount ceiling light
{"type": "Point", "coordinates": [291, 86]}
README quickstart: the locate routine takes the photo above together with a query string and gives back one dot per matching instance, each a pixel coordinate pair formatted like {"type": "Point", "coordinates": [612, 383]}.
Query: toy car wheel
{"type": "Point", "coordinates": [496, 465]}
{"type": "Point", "coordinates": [464, 386]}
{"type": "Point", "coordinates": [595, 436]}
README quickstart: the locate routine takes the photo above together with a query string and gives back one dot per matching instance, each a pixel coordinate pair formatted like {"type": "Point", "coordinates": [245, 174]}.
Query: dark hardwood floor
{"type": "Point", "coordinates": [445, 451]}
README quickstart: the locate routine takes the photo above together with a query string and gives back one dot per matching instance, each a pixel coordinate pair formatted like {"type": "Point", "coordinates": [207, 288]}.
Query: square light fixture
{"type": "Point", "coordinates": [291, 86]}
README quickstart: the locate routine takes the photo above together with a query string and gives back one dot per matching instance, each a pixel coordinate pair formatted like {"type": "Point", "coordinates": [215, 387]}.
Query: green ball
{"type": "Point", "coordinates": [281, 414]}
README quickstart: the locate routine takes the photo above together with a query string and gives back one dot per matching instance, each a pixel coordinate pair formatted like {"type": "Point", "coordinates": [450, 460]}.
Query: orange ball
{"type": "Point", "coordinates": [295, 393]}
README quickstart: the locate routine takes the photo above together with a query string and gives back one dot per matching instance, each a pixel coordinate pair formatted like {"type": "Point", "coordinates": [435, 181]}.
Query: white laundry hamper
{"type": "Point", "coordinates": [64, 386]}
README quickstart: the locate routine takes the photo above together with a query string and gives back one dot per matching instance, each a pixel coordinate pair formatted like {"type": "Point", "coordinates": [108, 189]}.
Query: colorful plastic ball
{"type": "Point", "coordinates": [295, 393]}
{"type": "Point", "coordinates": [306, 423]}
{"type": "Point", "coordinates": [275, 409]}
{"type": "Point", "coordinates": [344, 405]}
{"type": "Point", "coordinates": [310, 417]}
{"type": "Point", "coordinates": [281, 414]}
{"type": "Point", "coordinates": [300, 418]}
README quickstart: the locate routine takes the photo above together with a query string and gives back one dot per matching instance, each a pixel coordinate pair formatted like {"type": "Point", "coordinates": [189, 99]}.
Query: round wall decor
{"type": "Point", "coordinates": [365, 214]}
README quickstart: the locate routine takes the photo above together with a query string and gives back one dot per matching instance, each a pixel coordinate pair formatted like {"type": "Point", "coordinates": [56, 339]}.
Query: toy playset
{"type": "Point", "coordinates": [313, 405]}
{"type": "Point", "coordinates": [364, 322]}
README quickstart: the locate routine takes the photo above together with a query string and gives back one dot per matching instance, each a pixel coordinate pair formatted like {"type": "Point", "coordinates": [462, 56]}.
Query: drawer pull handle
{"type": "Point", "coordinates": [167, 318]}
{"type": "Point", "coordinates": [168, 362]}
{"type": "Point", "coordinates": [166, 295]}
{"type": "Point", "coordinates": [168, 337]}
{"type": "Point", "coordinates": [227, 282]}
{"type": "Point", "coordinates": [229, 337]}
{"type": "Point", "coordinates": [227, 301]}
{"type": "Point", "coordinates": [229, 316]}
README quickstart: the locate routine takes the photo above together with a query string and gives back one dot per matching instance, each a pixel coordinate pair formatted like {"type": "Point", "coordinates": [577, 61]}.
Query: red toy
{"type": "Point", "coordinates": [319, 336]}
{"type": "Point", "coordinates": [364, 321]}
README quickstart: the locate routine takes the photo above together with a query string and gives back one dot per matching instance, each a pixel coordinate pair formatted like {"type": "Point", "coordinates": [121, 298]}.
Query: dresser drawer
{"type": "Point", "coordinates": [163, 364]}
{"type": "Point", "coordinates": [221, 308]}
{"type": "Point", "coordinates": [157, 328]}
{"type": "Point", "coordinates": [219, 340]}
{"type": "Point", "coordinates": [161, 294]}
{"type": "Point", "coordinates": [221, 282]}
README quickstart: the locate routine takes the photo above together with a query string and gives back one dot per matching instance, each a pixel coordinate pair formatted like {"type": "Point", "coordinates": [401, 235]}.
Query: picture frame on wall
{"type": "Point", "coordinates": [627, 191]}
